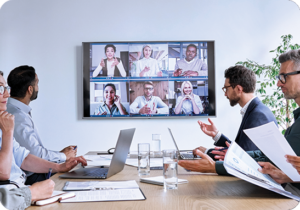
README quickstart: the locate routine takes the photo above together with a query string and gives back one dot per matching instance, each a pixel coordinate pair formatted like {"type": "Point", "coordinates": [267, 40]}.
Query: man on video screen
{"type": "Point", "coordinates": [148, 104]}
{"type": "Point", "coordinates": [190, 66]}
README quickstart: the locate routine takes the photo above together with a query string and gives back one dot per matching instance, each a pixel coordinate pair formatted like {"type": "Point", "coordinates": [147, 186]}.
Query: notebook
{"type": "Point", "coordinates": [183, 156]}
{"type": "Point", "coordinates": [57, 196]}
{"type": "Point", "coordinates": [116, 165]}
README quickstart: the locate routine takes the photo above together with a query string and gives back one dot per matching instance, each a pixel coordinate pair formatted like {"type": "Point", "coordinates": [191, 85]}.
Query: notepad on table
{"type": "Point", "coordinates": [57, 196]}
{"type": "Point", "coordinates": [159, 180]}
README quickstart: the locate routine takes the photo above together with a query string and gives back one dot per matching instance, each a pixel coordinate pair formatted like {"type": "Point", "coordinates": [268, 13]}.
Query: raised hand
{"type": "Point", "coordinates": [117, 101]}
{"type": "Point", "coordinates": [145, 109]}
{"type": "Point", "coordinates": [69, 152]}
{"type": "Point", "coordinates": [102, 63]}
{"type": "Point", "coordinates": [115, 63]}
{"type": "Point", "coordinates": [7, 122]}
{"type": "Point", "coordinates": [210, 130]}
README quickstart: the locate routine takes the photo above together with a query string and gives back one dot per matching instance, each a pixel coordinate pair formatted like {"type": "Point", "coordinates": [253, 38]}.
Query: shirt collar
{"type": "Point", "coordinates": [190, 61]}
{"type": "Point", "coordinates": [146, 99]}
{"type": "Point", "coordinates": [244, 109]}
{"type": "Point", "coordinates": [20, 105]}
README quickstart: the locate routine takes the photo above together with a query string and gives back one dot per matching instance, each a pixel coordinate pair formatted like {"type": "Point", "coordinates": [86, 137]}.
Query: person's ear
{"type": "Point", "coordinates": [30, 89]}
{"type": "Point", "coordinates": [239, 88]}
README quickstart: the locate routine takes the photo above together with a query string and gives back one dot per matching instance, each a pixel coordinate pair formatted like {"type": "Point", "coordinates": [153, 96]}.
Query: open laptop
{"type": "Point", "coordinates": [183, 156]}
{"type": "Point", "coordinates": [116, 165]}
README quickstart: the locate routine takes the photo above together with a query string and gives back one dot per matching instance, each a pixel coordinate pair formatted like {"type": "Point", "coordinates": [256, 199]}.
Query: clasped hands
{"type": "Point", "coordinates": [147, 110]}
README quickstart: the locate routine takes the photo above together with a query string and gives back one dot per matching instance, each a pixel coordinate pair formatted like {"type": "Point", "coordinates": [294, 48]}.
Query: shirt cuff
{"type": "Point", "coordinates": [206, 151]}
{"type": "Point", "coordinates": [62, 157]}
{"type": "Point", "coordinates": [217, 137]}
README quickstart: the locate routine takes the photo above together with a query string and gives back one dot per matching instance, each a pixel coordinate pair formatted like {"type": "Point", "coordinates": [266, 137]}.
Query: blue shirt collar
{"type": "Point", "coordinates": [20, 105]}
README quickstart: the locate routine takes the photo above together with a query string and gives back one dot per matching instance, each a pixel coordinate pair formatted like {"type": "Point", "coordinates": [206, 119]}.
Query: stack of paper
{"type": "Point", "coordinates": [159, 180]}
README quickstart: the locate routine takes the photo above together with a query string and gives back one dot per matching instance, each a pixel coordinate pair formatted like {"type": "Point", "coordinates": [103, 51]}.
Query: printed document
{"type": "Point", "coordinates": [274, 145]}
{"type": "Point", "coordinates": [238, 163]}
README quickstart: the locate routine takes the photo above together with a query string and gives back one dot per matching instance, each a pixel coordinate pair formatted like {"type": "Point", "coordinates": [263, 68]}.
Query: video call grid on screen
{"type": "Point", "coordinates": [173, 76]}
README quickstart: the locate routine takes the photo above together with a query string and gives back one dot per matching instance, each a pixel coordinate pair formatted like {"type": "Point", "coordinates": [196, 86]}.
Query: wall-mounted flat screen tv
{"type": "Point", "coordinates": [151, 79]}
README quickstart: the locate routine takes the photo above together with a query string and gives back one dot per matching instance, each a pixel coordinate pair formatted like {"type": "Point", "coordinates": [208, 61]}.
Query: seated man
{"type": "Point", "coordinates": [239, 88]}
{"type": "Point", "coordinates": [13, 157]}
{"type": "Point", "coordinates": [24, 88]}
{"type": "Point", "coordinates": [190, 65]}
{"type": "Point", "coordinates": [148, 104]}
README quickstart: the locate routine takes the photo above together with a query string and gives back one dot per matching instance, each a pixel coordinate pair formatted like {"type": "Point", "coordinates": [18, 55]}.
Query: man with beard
{"type": "Point", "coordinates": [239, 88]}
{"type": "Point", "coordinates": [24, 88]}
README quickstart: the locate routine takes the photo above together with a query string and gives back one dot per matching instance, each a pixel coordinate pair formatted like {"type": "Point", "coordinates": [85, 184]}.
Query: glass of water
{"type": "Point", "coordinates": [144, 159]}
{"type": "Point", "coordinates": [155, 146]}
{"type": "Point", "coordinates": [170, 170]}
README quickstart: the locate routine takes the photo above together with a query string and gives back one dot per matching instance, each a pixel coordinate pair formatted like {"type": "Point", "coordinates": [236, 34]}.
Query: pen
{"type": "Point", "coordinates": [75, 147]}
{"type": "Point", "coordinates": [49, 173]}
{"type": "Point", "coordinates": [222, 149]}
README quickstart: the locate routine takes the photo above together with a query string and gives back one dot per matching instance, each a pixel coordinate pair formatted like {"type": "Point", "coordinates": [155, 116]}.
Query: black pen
{"type": "Point", "coordinates": [49, 173]}
{"type": "Point", "coordinates": [75, 147]}
{"type": "Point", "coordinates": [221, 149]}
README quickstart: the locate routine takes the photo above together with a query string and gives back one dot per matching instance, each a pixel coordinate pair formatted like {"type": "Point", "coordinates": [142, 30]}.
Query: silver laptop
{"type": "Point", "coordinates": [183, 156]}
{"type": "Point", "coordinates": [116, 165]}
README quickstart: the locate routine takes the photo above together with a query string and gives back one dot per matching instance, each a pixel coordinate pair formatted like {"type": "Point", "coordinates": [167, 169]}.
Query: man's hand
{"type": "Point", "coordinates": [190, 73]}
{"type": "Point", "coordinates": [71, 163]}
{"type": "Point", "coordinates": [210, 130]}
{"type": "Point", "coordinates": [41, 190]}
{"type": "Point", "coordinates": [220, 154]}
{"type": "Point", "coordinates": [177, 72]}
{"type": "Point", "coordinates": [275, 173]}
{"type": "Point", "coordinates": [295, 161]}
{"type": "Point", "coordinates": [202, 149]}
{"type": "Point", "coordinates": [204, 165]}
{"type": "Point", "coordinates": [7, 122]}
{"type": "Point", "coordinates": [69, 151]}
{"type": "Point", "coordinates": [102, 63]}
{"type": "Point", "coordinates": [154, 110]}
{"type": "Point", "coordinates": [145, 109]}
{"type": "Point", "coordinates": [159, 74]}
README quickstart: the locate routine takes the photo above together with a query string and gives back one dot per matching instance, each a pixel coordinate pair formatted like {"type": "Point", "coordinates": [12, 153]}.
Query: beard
{"type": "Point", "coordinates": [34, 95]}
{"type": "Point", "coordinates": [234, 100]}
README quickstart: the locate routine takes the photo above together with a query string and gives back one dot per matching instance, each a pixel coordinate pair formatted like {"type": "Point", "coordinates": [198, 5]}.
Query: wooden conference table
{"type": "Point", "coordinates": [204, 191]}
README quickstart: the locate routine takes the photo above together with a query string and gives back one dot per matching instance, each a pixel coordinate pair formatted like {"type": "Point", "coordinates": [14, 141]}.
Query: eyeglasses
{"type": "Point", "coordinates": [148, 88]}
{"type": "Point", "coordinates": [2, 89]}
{"type": "Point", "coordinates": [226, 87]}
{"type": "Point", "coordinates": [282, 77]}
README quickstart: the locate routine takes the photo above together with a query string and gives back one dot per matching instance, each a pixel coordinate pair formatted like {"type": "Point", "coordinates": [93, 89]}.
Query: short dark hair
{"type": "Point", "coordinates": [240, 75]}
{"type": "Point", "coordinates": [19, 79]}
{"type": "Point", "coordinates": [148, 83]}
{"type": "Point", "coordinates": [1, 73]}
{"type": "Point", "coordinates": [192, 45]}
{"type": "Point", "coordinates": [111, 85]}
{"type": "Point", "coordinates": [292, 55]}
{"type": "Point", "coordinates": [110, 45]}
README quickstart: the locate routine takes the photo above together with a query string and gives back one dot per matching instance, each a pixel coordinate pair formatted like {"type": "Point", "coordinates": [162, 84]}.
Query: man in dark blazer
{"type": "Point", "coordinates": [239, 88]}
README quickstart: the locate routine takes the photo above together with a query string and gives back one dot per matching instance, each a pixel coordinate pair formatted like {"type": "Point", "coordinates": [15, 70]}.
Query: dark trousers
{"type": "Point", "coordinates": [35, 178]}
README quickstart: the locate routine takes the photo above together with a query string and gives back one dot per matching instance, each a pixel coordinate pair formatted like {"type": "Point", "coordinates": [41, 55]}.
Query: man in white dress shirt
{"type": "Point", "coordinates": [190, 65]}
{"type": "Point", "coordinates": [24, 88]}
{"type": "Point", "coordinates": [148, 104]}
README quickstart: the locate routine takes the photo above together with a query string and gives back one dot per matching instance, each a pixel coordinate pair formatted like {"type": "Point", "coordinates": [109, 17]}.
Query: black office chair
{"type": "Point", "coordinates": [6, 182]}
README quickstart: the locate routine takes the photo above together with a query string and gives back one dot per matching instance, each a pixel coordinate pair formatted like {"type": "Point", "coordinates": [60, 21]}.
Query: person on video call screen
{"type": "Point", "coordinates": [148, 104]}
{"type": "Point", "coordinates": [112, 102]}
{"type": "Point", "coordinates": [188, 102]}
{"type": "Point", "coordinates": [111, 66]}
{"type": "Point", "coordinates": [190, 65]}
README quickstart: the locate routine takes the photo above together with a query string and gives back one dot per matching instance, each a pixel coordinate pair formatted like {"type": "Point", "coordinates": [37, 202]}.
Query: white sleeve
{"type": "Point", "coordinates": [134, 109]}
{"type": "Point", "coordinates": [156, 67]}
{"type": "Point", "coordinates": [121, 69]}
{"type": "Point", "coordinates": [138, 68]}
{"type": "Point", "coordinates": [97, 70]}
{"type": "Point", "coordinates": [178, 101]}
{"type": "Point", "coordinates": [162, 108]}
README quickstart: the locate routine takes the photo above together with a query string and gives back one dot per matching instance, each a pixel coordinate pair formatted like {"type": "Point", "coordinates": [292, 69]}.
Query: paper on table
{"type": "Point", "coordinates": [93, 185]}
{"type": "Point", "coordinates": [238, 163]}
{"type": "Point", "coordinates": [98, 160]}
{"type": "Point", "coordinates": [273, 144]}
{"type": "Point", "coordinates": [159, 180]}
{"type": "Point", "coordinates": [154, 162]}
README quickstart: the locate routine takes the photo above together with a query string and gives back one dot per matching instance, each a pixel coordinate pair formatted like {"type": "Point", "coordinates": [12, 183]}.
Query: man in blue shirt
{"type": "Point", "coordinates": [24, 88]}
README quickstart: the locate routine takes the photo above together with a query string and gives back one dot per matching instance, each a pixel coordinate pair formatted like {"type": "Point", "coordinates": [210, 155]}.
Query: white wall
{"type": "Point", "coordinates": [47, 34]}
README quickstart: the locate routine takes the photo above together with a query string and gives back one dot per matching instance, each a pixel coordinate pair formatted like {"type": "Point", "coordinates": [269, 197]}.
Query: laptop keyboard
{"type": "Point", "coordinates": [97, 172]}
{"type": "Point", "coordinates": [188, 156]}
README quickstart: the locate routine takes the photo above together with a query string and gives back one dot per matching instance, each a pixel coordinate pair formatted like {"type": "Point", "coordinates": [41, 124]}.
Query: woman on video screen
{"type": "Point", "coordinates": [147, 66]}
{"type": "Point", "coordinates": [110, 66]}
{"type": "Point", "coordinates": [188, 102]}
{"type": "Point", "coordinates": [112, 104]}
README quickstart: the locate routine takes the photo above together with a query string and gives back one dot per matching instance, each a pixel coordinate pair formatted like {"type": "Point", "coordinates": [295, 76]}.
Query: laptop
{"type": "Point", "coordinates": [183, 156]}
{"type": "Point", "coordinates": [116, 165]}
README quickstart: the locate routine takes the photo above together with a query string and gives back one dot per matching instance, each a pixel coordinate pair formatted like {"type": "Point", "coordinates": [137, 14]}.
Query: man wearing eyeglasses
{"type": "Point", "coordinates": [23, 81]}
{"type": "Point", "coordinates": [239, 88]}
{"type": "Point", "coordinates": [148, 104]}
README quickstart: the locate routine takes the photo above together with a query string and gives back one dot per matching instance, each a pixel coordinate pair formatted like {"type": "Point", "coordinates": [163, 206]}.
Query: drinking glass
{"type": "Point", "coordinates": [144, 159]}
{"type": "Point", "coordinates": [170, 169]}
{"type": "Point", "coordinates": [155, 146]}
